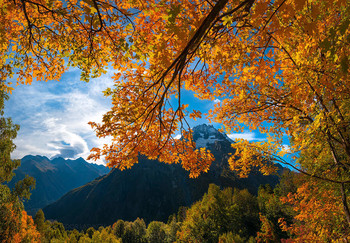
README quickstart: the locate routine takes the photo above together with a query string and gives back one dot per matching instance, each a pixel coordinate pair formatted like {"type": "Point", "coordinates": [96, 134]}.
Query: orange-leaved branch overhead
{"type": "Point", "coordinates": [284, 63]}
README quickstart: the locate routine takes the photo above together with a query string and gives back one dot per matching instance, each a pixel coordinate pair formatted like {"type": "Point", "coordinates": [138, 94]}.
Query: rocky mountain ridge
{"type": "Point", "coordinates": [54, 177]}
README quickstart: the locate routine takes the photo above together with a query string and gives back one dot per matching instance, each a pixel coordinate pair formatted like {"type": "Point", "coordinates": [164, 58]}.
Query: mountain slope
{"type": "Point", "coordinates": [151, 190]}
{"type": "Point", "coordinates": [55, 177]}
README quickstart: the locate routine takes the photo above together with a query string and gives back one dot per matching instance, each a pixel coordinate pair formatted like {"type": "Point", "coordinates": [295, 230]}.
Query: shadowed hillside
{"type": "Point", "coordinates": [151, 190]}
{"type": "Point", "coordinates": [54, 177]}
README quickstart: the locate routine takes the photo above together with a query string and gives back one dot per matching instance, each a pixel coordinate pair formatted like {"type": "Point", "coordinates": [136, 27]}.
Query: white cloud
{"type": "Point", "coordinates": [54, 116]}
{"type": "Point", "coordinates": [217, 101]}
{"type": "Point", "coordinates": [178, 136]}
{"type": "Point", "coordinates": [286, 148]}
{"type": "Point", "coordinates": [250, 136]}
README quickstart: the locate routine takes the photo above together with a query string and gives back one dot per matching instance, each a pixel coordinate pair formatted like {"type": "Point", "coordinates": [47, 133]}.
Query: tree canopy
{"type": "Point", "coordinates": [283, 63]}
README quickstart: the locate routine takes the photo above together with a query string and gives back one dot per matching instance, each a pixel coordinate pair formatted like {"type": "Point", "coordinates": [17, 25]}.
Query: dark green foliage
{"type": "Point", "coordinates": [50, 231]}
{"type": "Point", "coordinates": [156, 232]}
{"type": "Point", "coordinates": [104, 235]}
{"type": "Point", "coordinates": [56, 231]}
{"type": "Point", "coordinates": [8, 132]}
{"type": "Point", "coordinates": [135, 232]}
{"type": "Point", "coordinates": [181, 214]}
{"type": "Point", "coordinates": [90, 232]}
{"type": "Point", "coordinates": [24, 187]}
{"type": "Point", "coordinates": [119, 228]}
{"type": "Point", "coordinates": [249, 212]}
{"type": "Point", "coordinates": [220, 212]}
{"type": "Point", "coordinates": [73, 236]}
{"type": "Point", "coordinates": [39, 220]}
{"type": "Point", "coordinates": [271, 207]}
{"type": "Point", "coordinates": [139, 229]}
{"type": "Point", "coordinates": [289, 183]}
{"type": "Point", "coordinates": [231, 237]}
{"type": "Point", "coordinates": [173, 228]}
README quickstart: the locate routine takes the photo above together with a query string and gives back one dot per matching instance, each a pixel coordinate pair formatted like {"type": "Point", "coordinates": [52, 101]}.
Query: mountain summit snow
{"type": "Point", "coordinates": [204, 135]}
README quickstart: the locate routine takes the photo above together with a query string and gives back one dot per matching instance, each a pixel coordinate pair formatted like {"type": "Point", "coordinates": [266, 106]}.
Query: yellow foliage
{"type": "Point", "coordinates": [24, 226]}
{"type": "Point", "coordinates": [319, 216]}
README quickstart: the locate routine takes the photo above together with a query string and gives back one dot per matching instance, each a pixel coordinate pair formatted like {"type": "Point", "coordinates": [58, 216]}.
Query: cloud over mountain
{"type": "Point", "coordinates": [54, 116]}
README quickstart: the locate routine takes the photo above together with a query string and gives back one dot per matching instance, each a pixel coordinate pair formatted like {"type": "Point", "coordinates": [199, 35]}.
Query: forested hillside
{"type": "Point", "coordinates": [228, 215]}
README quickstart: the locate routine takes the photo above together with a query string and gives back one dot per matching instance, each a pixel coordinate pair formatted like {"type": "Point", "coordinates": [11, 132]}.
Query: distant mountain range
{"type": "Point", "coordinates": [54, 177]}
{"type": "Point", "coordinates": [152, 190]}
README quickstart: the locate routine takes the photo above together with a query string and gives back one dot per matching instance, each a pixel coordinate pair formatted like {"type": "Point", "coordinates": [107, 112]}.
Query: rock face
{"type": "Point", "coordinates": [205, 135]}
{"type": "Point", "coordinates": [151, 190]}
{"type": "Point", "coordinates": [54, 177]}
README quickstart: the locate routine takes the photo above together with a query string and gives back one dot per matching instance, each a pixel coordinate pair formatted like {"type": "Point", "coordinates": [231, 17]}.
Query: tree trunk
{"type": "Point", "coordinates": [345, 203]}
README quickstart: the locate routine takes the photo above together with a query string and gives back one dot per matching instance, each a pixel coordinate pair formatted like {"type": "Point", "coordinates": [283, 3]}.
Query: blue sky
{"type": "Point", "coordinates": [54, 116]}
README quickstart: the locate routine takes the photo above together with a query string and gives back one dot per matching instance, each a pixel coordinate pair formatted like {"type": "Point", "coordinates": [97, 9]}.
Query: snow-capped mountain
{"type": "Point", "coordinates": [205, 135]}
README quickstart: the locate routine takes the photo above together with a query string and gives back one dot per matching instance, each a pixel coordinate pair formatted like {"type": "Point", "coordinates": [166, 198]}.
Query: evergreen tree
{"type": "Point", "coordinates": [39, 220]}
{"type": "Point", "coordinates": [156, 232]}
{"type": "Point", "coordinates": [118, 228]}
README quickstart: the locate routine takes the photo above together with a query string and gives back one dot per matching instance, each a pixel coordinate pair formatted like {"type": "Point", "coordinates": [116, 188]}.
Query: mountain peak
{"type": "Point", "coordinates": [204, 128]}
{"type": "Point", "coordinates": [37, 157]}
{"type": "Point", "coordinates": [205, 134]}
{"type": "Point", "coordinates": [58, 160]}
{"type": "Point", "coordinates": [54, 177]}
